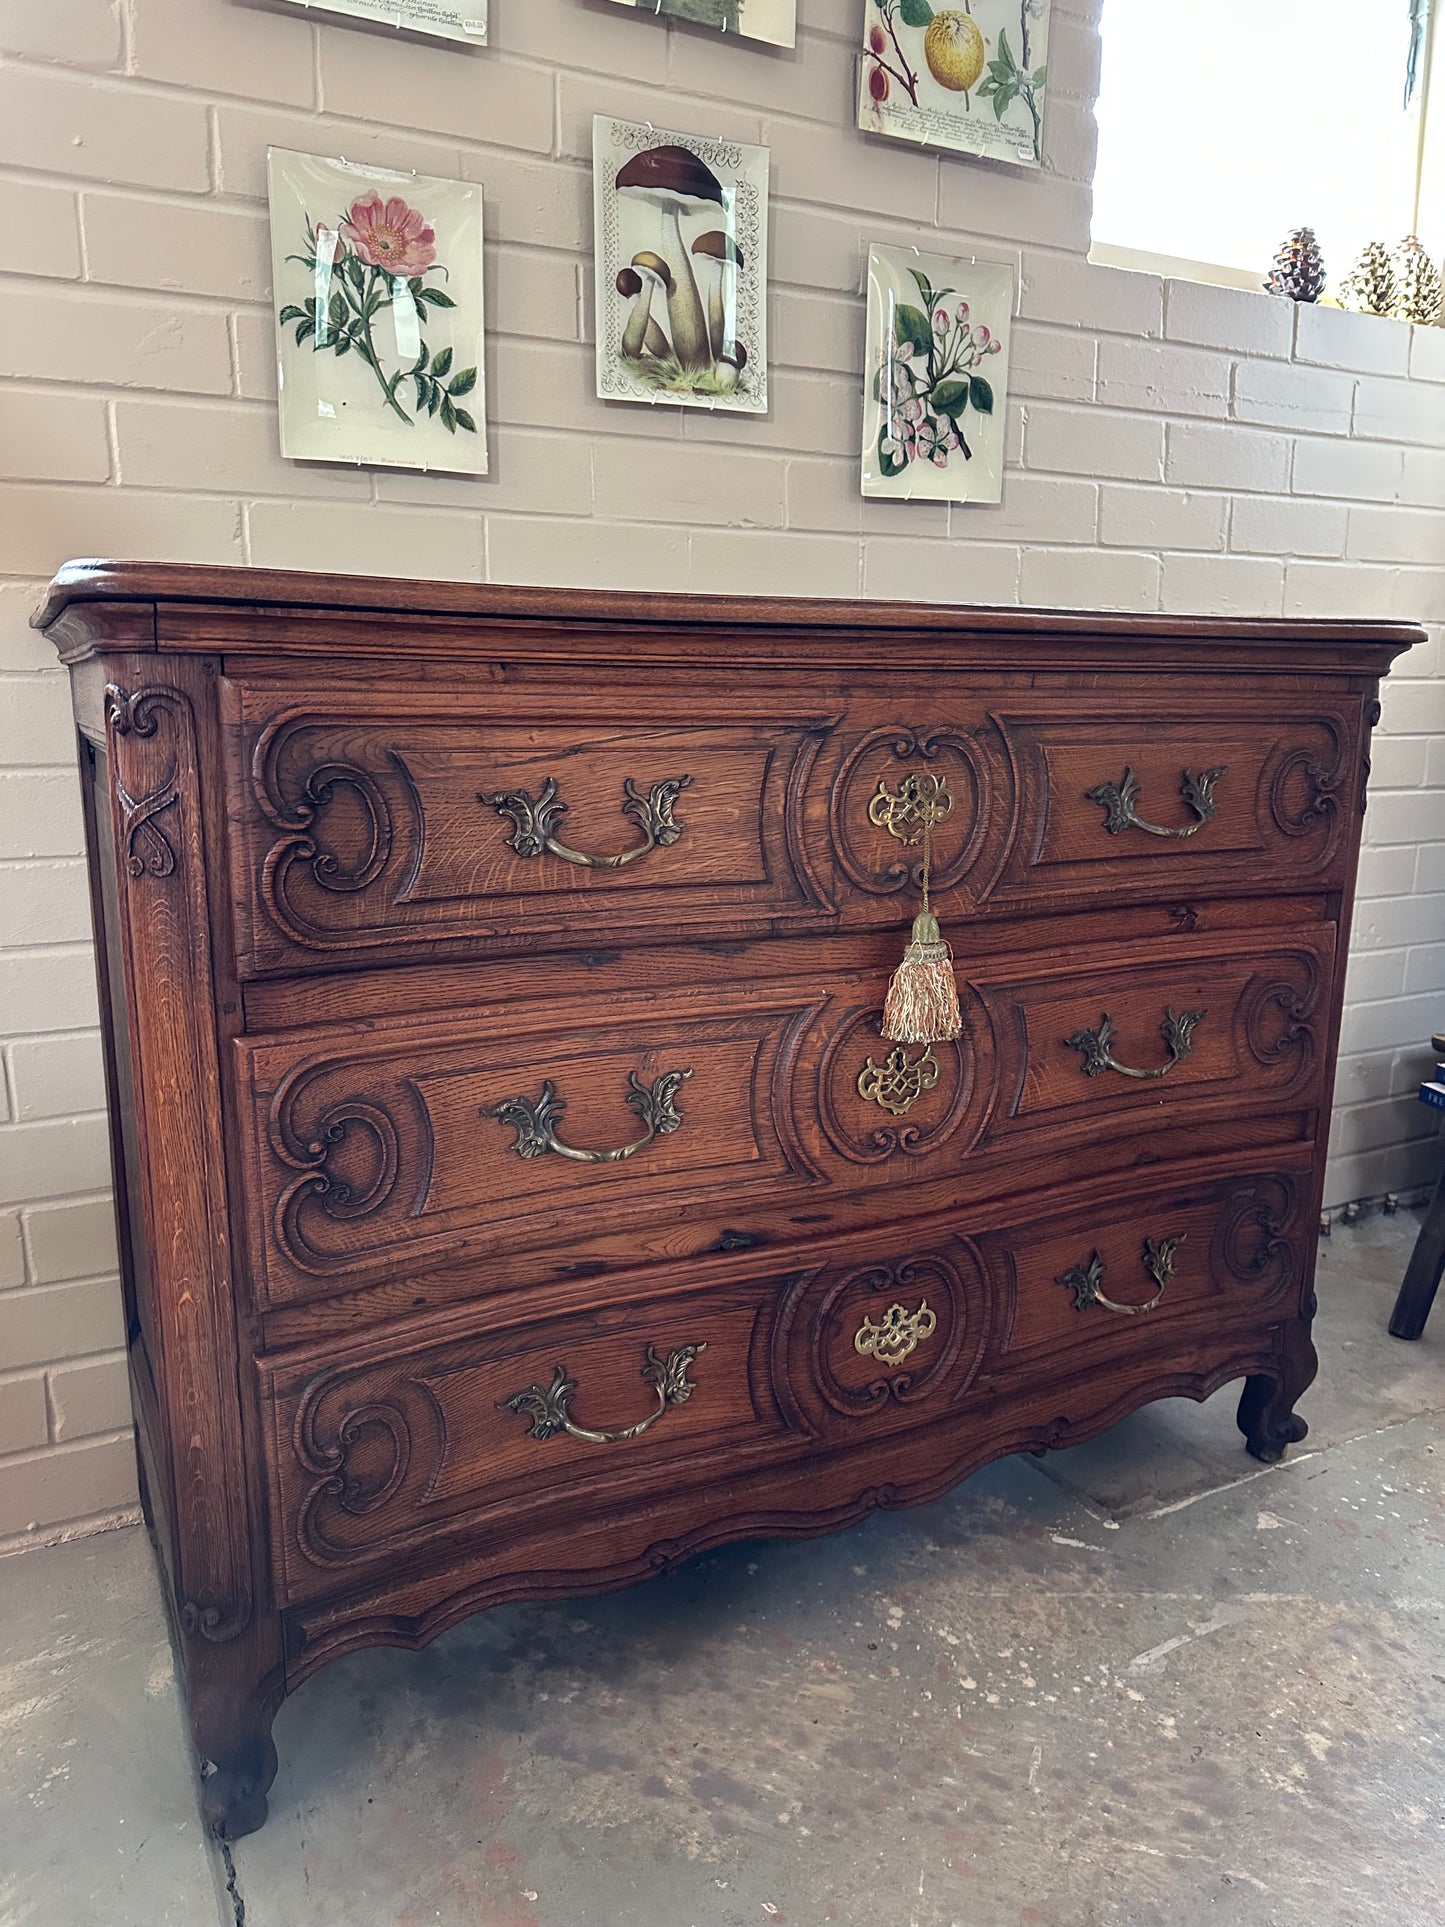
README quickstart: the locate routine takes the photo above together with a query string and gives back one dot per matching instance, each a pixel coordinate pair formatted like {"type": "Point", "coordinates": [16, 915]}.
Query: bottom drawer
{"type": "Point", "coordinates": [473, 1430]}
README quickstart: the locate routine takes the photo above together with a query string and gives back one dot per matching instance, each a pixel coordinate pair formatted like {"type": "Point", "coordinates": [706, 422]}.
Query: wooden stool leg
{"type": "Point", "coordinates": [1422, 1278]}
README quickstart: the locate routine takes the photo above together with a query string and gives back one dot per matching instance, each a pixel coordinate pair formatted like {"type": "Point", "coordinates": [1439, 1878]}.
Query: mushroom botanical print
{"type": "Point", "coordinates": [936, 365]}
{"type": "Point", "coordinates": [378, 283]}
{"type": "Point", "coordinates": [967, 74]}
{"type": "Point", "coordinates": [773, 20]}
{"type": "Point", "coordinates": [682, 240]}
{"type": "Point", "coordinates": [442, 19]}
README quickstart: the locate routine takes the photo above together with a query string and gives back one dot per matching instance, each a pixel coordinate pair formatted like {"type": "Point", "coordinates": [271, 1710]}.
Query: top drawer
{"type": "Point", "coordinates": [381, 824]}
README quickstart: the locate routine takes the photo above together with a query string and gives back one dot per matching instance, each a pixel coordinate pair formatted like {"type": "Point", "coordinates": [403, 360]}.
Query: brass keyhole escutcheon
{"type": "Point", "coordinates": [899, 1081]}
{"type": "Point", "coordinates": [920, 803]}
{"type": "Point", "coordinates": [896, 1335]}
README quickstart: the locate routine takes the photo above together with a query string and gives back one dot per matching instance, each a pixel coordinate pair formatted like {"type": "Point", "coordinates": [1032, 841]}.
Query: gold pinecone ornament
{"type": "Point", "coordinates": [1418, 288]}
{"type": "Point", "coordinates": [1299, 267]}
{"type": "Point", "coordinates": [1369, 287]}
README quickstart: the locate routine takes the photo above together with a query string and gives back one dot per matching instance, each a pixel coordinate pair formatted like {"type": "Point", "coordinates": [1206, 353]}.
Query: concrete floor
{"type": "Point", "coordinates": [1144, 1683]}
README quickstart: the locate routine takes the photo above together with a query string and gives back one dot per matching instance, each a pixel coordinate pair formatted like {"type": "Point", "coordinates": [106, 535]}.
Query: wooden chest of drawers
{"type": "Point", "coordinates": [516, 1194]}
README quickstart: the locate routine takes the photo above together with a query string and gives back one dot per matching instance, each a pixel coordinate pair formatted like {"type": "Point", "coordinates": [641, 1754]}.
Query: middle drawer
{"type": "Point", "coordinates": [629, 1126]}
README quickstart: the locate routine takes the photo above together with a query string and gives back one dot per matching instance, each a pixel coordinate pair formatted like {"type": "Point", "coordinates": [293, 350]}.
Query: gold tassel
{"type": "Point", "coordinates": [922, 1002]}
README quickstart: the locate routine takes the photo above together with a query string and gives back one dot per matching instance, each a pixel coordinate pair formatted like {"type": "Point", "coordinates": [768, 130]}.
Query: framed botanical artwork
{"type": "Point", "coordinates": [378, 290]}
{"type": "Point", "coordinates": [444, 19]}
{"type": "Point", "coordinates": [936, 371]}
{"type": "Point", "coordinates": [970, 76]}
{"type": "Point", "coordinates": [682, 249]}
{"type": "Point", "coordinates": [771, 20]}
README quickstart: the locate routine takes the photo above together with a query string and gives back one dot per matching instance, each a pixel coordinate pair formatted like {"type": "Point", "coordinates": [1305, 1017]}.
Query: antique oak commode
{"type": "Point", "coordinates": [516, 1195]}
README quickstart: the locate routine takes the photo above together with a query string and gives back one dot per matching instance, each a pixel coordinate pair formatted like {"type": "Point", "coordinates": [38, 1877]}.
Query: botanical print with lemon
{"type": "Point", "coordinates": [969, 77]}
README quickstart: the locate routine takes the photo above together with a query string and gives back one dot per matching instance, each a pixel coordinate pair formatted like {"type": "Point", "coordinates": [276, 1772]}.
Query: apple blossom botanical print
{"type": "Point", "coordinates": [378, 281]}
{"type": "Point", "coordinates": [682, 248]}
{"type": "Point", "coordinates": [442, 19]}
{"type": "Point", "coordinates": [771, 20]}
{"type": "Point", "coordinates": [937, 362]}
{"type": "Point", "coordinates": [968, 76]}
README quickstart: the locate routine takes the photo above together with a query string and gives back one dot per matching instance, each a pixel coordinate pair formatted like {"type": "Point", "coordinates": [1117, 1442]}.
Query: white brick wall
{"type": "Point", "coordinates": [1171, 447]}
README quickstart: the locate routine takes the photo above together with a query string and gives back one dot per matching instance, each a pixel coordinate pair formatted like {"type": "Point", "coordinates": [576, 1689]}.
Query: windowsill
{"type": "Point", "coordinates": [1175, 267]}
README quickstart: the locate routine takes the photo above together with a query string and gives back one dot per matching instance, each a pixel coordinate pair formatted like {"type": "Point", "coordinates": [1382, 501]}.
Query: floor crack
{"type": "Point", "coordinates": [233, 1892]}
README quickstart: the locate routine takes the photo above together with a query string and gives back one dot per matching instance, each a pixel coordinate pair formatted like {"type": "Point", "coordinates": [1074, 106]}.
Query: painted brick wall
{"type": "Point", "coordinates": [1171, 447]}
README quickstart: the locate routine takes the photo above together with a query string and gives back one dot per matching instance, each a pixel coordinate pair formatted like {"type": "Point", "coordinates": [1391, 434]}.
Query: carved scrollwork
{"type": "Point", "coordinates": [1251, 1239]}
{"type": "Point", "coordinates": [1276, 1020]}
{"type": "Point", "coordinates": [309, 802]}
{"type": "Point", "coordinates": [1304, 792]}
{"type": "Point", "coordinates": [362, 1450]}
{"type": "Point", "coordinates": [348, 1154]}
{"type": "Point", "coordinates": [145, 847]}
{"type": "Point", "coordinates": [216, 1624]}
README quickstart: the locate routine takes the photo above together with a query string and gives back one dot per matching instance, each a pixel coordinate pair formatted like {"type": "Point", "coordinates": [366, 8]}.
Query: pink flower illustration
{"type": "Point", "coordinates": [390, 235]}
{"type": "Point", "coordinates": [377, 257]}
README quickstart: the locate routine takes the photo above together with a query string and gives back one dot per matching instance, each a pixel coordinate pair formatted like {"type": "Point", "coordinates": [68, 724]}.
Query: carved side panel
{"type": "Point", "coordinates": [165, 932]}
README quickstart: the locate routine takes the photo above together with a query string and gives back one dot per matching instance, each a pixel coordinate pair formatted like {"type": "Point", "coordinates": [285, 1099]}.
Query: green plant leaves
{"type": "Point", "coordinates": [915, 13]}
{"type": "Point", "coordinates": [923, 287]}
{"type": "Point", "coordinates": [911, 327]}
{"type": "Point", "coordinates": [980, 393]}
{"type": "Point", "coordinates": [462, 383]}
{"type": "Point", "coordinates": [950, 398]}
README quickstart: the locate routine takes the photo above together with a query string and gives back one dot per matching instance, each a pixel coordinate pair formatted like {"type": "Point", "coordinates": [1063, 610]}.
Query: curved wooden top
{"type": "Point", "coordinates": [159, 583]}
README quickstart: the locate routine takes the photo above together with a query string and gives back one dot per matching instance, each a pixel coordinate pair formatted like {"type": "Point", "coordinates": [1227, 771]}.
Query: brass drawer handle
{"type": "Point", "coordinates": [549, 1406]}
{"type": "Point", "coordinates": [1118, 800]}
{"type": "Point", "coordinates": [1177, 1030]}
{"type": "Point", "coordinates": [536, 819]}
{"type": "Point", "coordinates": [535, 1123]}
{"type": "Point", "coordinates": [1086, 1281]}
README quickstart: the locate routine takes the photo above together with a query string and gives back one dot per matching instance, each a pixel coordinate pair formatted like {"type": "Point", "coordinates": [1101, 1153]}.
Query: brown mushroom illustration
{"type": "Point", "coordinates": [636, 284]}
{"type": "Point", "coordinates": [676, 182]}
{"type": "Point", "coordinates": [730, 366]}
{"type": "Point", "coordinates": [721, 258]}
